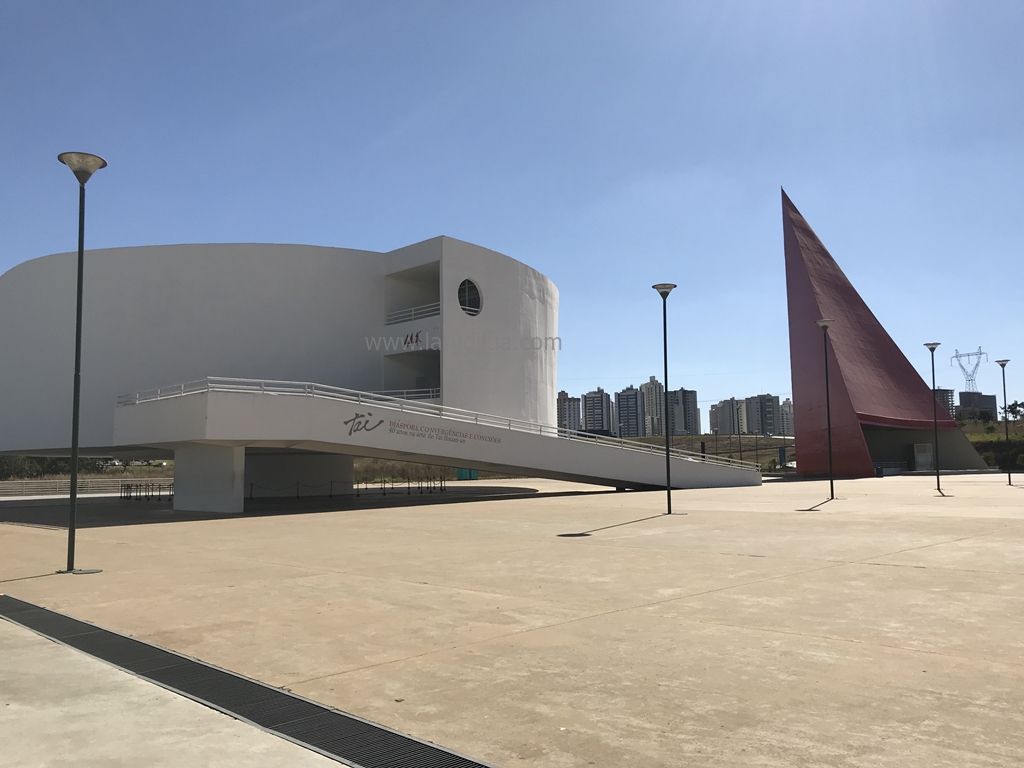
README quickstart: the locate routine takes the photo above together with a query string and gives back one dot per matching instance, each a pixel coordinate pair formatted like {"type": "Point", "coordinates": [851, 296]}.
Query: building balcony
{"type": "Point", "coordinates": [428, 393]}
{"type": "Point", "coordinates": [412, 313]}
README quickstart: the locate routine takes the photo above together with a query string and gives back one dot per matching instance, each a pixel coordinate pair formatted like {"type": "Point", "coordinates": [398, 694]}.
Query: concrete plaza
{"type": "Point", "coordinates": [885, 628]}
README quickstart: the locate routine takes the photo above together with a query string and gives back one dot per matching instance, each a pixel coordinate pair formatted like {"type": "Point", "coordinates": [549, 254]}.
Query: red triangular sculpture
{"type": "Point", "coordinates": [871, 382]}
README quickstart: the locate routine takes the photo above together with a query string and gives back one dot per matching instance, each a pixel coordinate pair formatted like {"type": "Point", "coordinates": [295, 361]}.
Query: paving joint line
{"type": "Point", "coordinates": [939, 543]}
{"type": "Point", "coordinates": [832, 564]}
{"type": "Point", "coordinates": [853, 641]}
{"type": "Point", "coordinates": [554, 625]}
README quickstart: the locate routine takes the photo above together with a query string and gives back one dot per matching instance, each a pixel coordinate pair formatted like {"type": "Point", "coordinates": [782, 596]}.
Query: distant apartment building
{"type": "Point", "coordinates": [630, 412]}
{"type": "Point", "coordinates": [945, 397]}
{"type": "Point", "coordinates": [974, 405]}
{"type": "Point", "coordinates": [654, 407]}
{"type": "Point", "coordinates": [786, 417]}
{"type": "Point", "coordinates": [683, 414]}
{"type": "Point", "coordinates": [762, 412]}
{"type": "Point", "coordinates": [568, 411]}
{"type": "Point", "coordinates": [729, 417]}
{"type": "Point", "coordinates": [597, 412]}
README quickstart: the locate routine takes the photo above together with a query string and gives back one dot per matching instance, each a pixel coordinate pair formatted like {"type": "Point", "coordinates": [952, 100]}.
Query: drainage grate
{"type": "Point", "coordinates": [335, 734]}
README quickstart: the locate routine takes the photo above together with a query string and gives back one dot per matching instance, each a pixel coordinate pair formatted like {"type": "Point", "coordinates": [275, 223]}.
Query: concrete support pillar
{"type": "Point", "coordinates": [292, 474]}
{"type": "Point", "coordinates": [209, 478]}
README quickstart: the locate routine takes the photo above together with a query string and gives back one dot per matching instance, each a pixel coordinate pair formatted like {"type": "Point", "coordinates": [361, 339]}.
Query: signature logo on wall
{"type": "Point", "coordinates": [361, 423]}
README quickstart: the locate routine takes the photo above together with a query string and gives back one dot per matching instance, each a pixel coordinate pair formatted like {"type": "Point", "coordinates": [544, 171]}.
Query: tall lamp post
{"type": "Point", "coordinates": [824, 324]}
{"type": "Point", "coordinates": [1006, 422]}
{"type": "Point", "coordinates": [83, 165]}
{"type": "Point", "coordinates": [932, 346]}
{"type": "Point", "coordinates": [664, 289]}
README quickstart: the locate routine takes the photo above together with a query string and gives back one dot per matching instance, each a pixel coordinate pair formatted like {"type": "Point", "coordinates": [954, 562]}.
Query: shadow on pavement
{"type": "Point", "coordinates": [606, 527]}
{"type": "Point", "coordinates": [105, 512]}
{"type": "Point", "coordinates": [815, 507]}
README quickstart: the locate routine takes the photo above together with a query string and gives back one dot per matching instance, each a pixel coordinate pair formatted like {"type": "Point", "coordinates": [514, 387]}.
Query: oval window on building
{"type": "Point", "coordinates": [469, 297]}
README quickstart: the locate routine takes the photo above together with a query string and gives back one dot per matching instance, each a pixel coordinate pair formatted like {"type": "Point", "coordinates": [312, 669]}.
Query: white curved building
{"type": "Point", "coordinates": [161, 315]}
{"type": "Point", "coordinates": [442, 329]}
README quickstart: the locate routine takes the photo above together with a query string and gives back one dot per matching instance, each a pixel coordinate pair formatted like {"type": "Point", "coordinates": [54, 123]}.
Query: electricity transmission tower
{"type": "Point", "coordinates": [971, 384]}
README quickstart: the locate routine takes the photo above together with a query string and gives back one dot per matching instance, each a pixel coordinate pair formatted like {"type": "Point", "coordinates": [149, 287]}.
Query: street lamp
{"type": "Point", "coordinates": [1006, 423]}
{"type": "Point", "coordinates": [83, 165]}
{"type": "Point", "coordinates": [824, 324]}
{"type": "Point", "coordinates": [932, 346]}
{"type": "Point", "coordinates": [664, 289]}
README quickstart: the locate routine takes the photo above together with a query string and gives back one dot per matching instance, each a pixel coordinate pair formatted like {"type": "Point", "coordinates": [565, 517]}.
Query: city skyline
{"type": "Point", "coordinates": [627, 413]}
{"type": "Point", "coordinates": [782, 422]}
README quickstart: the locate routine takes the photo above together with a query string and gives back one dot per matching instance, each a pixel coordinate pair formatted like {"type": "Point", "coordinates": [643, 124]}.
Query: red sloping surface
{"type": "Point", "coordinates": [882, 386]}
{"type": "Point", "coordinates": [849, 448]}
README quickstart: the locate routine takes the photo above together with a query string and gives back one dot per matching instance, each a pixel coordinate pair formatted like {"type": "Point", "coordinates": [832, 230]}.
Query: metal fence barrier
{"type": "Point", "coordinates": [149, 491]}
{"type": "Point", "coordinates": [139, 489]}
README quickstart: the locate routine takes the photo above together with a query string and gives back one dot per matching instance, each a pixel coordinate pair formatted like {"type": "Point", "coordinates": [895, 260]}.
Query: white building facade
{"type": "Point", "coordinates": [160, 315]}
{"type": "Point", "coordinates": [442, 321]}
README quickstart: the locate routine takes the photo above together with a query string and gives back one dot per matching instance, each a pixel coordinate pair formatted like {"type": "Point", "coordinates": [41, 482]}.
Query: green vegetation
{"type": "Point", "coordinates": [49, 468]}
{"type": "Point", "coordinates": [989, 439]}
{"type": "Point", "coordinates": [1002, 454]}
{"type": "Point", "coordinates": [366, 470]}
{"type": "Point", "coordinates": [982, 432]}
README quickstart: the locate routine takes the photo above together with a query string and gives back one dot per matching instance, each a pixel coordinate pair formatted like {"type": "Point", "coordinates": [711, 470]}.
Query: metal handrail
{"type": "Point", "coordinates": [413, 313]}
{"type": "Point", "coordinates": [310, 389]}
{"type": "Point", "coordinates": [410, 394]}
{"type": "Point", "coordinates": [271, 387]}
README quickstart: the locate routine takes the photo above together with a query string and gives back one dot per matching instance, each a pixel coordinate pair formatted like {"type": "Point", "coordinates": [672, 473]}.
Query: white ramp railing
{"type": "Point", "coordinates": [410, 405]}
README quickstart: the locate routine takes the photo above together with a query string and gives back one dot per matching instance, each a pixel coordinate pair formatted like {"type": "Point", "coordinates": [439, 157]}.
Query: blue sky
{"type": "Point", "coordinates": [609, 145]}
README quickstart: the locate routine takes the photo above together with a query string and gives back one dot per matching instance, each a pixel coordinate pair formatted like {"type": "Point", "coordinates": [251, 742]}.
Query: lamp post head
{"type": "Point", "coordinates": [664, 289]}
{"type": "Point", "coordinates": [1002, 363]}
{"type": "Point", "coordinates": [932, 346]}
{"type": "Point", "coordinates": [82, 164]}
{"type": "Point", "coordinates": [824, 323]}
